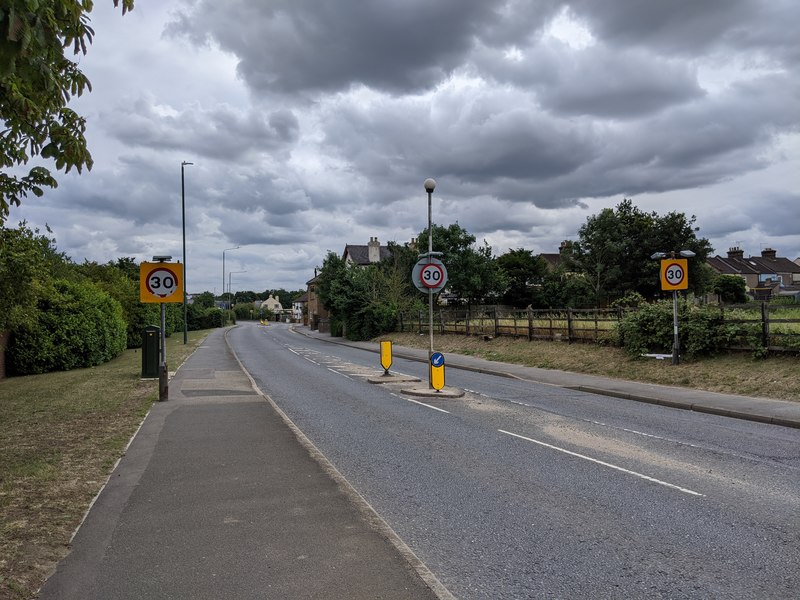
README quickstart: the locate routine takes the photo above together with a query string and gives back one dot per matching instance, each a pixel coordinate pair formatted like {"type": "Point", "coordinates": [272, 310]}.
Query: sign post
{"type": "Point", "coordinates": [674, 276]}
{"type": "Point", "coordinates": [161, 282]}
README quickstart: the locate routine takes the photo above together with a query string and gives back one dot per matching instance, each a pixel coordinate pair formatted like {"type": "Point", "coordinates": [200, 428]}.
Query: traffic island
{"type": "Point", "coordinates": [392, 378]}
{"type": "Point", "coordinates": [427, 392]}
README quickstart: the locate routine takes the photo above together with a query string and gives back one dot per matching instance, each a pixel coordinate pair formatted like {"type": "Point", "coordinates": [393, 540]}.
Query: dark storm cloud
{"type": "Point", "coordinates": [299, 45]}
{"type": "Point", "coordinates": [682, 27]}
{"type": "Point", "coordinates": [221, 132]}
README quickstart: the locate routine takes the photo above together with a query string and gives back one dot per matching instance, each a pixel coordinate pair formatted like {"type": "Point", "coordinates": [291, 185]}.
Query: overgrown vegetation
{"type": "Point", "coordinates": [62, 315]}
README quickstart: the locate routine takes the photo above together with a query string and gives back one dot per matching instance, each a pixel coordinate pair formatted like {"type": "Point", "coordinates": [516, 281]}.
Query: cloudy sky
{"type": "Point", "coordinates": [313, 124]}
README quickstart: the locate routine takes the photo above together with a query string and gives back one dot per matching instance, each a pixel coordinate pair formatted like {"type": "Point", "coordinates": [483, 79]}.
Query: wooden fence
{"type": "Point", "coordinates": [570, 325]}
{"type": "Point", "coordinates": [776, 327]}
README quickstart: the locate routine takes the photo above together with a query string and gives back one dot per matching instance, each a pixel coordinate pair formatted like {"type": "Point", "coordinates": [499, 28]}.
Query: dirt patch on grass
{"type": "Point", "coordinates": [774, 377]}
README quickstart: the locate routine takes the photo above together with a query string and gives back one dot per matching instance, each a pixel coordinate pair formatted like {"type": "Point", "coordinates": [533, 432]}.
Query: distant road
{"type": "Point", "coordinates": [523, 490]}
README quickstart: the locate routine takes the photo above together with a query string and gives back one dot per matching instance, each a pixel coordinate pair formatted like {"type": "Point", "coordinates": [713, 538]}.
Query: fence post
{"type": "Point", "coordinates": [530, 325]}
{"type": "Point", "coordinates": [467, 321]}
{"type": "Point", "coordinates": [569, 325]}
{"type": "Point", "coordinates": [496, 323]}
{"type": "Point", "coordinates": [765, 324]}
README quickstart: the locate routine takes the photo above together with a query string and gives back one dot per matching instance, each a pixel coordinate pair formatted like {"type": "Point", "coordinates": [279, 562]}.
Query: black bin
{"type": "Point", "coordinates": [151, 342]}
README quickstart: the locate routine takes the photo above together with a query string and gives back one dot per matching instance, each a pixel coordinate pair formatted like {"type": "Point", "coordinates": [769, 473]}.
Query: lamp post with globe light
{"type": "Point", "coordinates": [430, 185]}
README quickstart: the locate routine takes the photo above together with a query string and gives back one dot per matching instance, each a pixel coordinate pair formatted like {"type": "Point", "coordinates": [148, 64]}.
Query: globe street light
{"type": "Point", "coordinates": [430, 185]}
{"type": "Point", "coordinates": [675, 339]}
{"type": "Point", "coordinates": [223, 272]}
{"type": "Point", "coordinates": [183, 222]}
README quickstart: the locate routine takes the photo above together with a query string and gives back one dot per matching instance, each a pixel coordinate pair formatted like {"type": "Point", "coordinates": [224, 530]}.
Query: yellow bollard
{"type": "Point", "coordinates": [386, 357]}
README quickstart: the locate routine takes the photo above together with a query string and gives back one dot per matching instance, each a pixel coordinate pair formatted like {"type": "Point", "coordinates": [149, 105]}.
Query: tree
{"type": "Point", "coordinates": [524, 273]}
{"type": "Point", "coordinates": [37, 81]}
{"type": "Point", "coordinates": [731, 289]}
{"type": "Point", "coordinates": [615, 247]}
{"type": "Point", "coordinates": [204, 300]}
{"type": "Point", "coordinates": [473, 275]}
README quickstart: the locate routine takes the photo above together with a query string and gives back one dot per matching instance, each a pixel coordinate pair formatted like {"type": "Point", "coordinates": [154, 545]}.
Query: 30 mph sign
{"type": "Point", "coordinates": [429, 275]}
{"type": "Point", "coordinates": [161, 282]}
{"type": "Point", "coordinates": [674, 274]}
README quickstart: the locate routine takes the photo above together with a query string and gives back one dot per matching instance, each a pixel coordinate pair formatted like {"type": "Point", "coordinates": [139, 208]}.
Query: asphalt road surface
{"type": "Point", "coordinates": [524, 490]}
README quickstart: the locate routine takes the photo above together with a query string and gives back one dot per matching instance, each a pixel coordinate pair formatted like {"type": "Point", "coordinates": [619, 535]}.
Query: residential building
{"type": "Point", "coordinates": [765, 276]}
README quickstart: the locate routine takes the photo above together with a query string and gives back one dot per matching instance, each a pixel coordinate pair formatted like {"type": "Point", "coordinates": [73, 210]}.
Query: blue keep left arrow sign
{"type": "Point", "coordinates": [437, 359]}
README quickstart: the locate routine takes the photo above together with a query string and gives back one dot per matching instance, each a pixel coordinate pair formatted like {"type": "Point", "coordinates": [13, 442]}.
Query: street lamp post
{"type": "Point", "coordinates": [676, 344]}
{"type": "Point", "coordinates": [229, 283]}
{"type": "Point", "coordinates": [223, 271]}
{"type": "Point", "coordinates": [430, 185]}
{"type": "Point", "coordinates": [183, 223]}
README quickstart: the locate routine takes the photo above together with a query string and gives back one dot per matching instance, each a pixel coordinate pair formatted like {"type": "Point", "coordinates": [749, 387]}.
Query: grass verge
{"type": "Point", "coordinates": [60, 435]}
{"type": "Point", "coordinates": [774, 377]}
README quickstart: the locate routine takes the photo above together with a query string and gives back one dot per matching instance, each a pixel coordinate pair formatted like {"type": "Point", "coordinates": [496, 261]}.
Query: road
{"type": "Point", "coordinates": [524, 490]}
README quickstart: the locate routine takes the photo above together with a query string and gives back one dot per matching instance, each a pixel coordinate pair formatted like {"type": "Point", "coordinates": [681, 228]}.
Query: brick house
{"type": "Point", "coordinates": [765, 276]}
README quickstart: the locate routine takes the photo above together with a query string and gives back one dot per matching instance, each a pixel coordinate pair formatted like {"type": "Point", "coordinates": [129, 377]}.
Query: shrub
{"type": "Point", "coordinates": [650, 329]}
{"type": "Point", "coordinates": [73, 324]}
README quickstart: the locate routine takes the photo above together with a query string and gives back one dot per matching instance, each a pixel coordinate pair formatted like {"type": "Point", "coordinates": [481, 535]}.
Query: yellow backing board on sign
{"type": "Point", "coordinates": [386, 355]}
{"type": "Point", "coordinates": [437, 377]}
{"type": "Point", "coordinates": [161, 282]}
{"type": "Point", "coordinates": [674, 274]}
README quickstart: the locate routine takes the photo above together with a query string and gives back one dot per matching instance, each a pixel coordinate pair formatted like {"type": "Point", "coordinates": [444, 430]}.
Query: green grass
{"type": "Point", "coordinates": [60, 434]}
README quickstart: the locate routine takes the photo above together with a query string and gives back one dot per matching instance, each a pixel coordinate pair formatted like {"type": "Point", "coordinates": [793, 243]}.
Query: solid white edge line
{"type": "Point", "coordinates": [605, 464]}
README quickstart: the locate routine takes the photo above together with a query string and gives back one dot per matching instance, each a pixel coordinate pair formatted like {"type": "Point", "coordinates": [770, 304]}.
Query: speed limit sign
{"type": "Point", "coordinates": [161, 282]}
{"type": "Point", "coordinates": [429, 275]}
{"type": "Point", "coordinates": [674, 274]}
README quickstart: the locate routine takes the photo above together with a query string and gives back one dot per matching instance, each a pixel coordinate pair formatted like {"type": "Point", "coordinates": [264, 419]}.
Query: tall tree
{"type": "Point", "coordinates": [614, 249]}
{"type": "Point", "coordinates": [473, 274]}
{"type": "Point", "coordinates": [37, 81]}
{"type": "Point", "coordinates": [525, 273]}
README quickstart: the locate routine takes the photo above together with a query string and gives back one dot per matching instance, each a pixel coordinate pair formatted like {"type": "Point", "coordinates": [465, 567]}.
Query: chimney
{"type": "Point", "coordinates": [769, 253]}
{"type": "Point", "coordinates": [736, 253]}
{"type": "Point", "coordinates": [374, 249]}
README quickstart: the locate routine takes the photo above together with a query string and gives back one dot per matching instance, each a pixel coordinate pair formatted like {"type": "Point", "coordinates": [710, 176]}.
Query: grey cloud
{"type": "Point", "coordinates": [678, 26]}
{"type": "Point", "coordinates": [222, 132]}
{"type": "Point", "coordinates": [619, 85]}
{"type": "Point", "coordinates": [305, 45]}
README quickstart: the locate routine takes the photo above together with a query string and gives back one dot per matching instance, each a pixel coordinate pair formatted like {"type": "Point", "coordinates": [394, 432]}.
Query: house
{"type": "Point", "coordinates": [299, 306]}
{"type": "Point", "coordinates": [366, 255]}
{"type": "Point", "coordinates": [317, 314]}
{"type": "Point", "coordinates": [554, 259]}
{"type": "Point", "coordinates": [765, 276]}
{"type": "Point", "coordinates": [359, 255]}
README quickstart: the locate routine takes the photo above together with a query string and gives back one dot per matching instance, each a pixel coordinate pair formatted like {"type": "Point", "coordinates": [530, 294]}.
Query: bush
{"type": "Point", "coordinates": [198, 317]}
{"type": "Point", "coordinates": [72, 325]}
{"type": "Point", "coordinates": [650, 329]}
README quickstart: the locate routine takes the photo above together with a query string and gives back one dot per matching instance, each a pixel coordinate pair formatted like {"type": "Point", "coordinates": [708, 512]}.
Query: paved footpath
{"type": "Point", "coordinates": [219, 497]}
